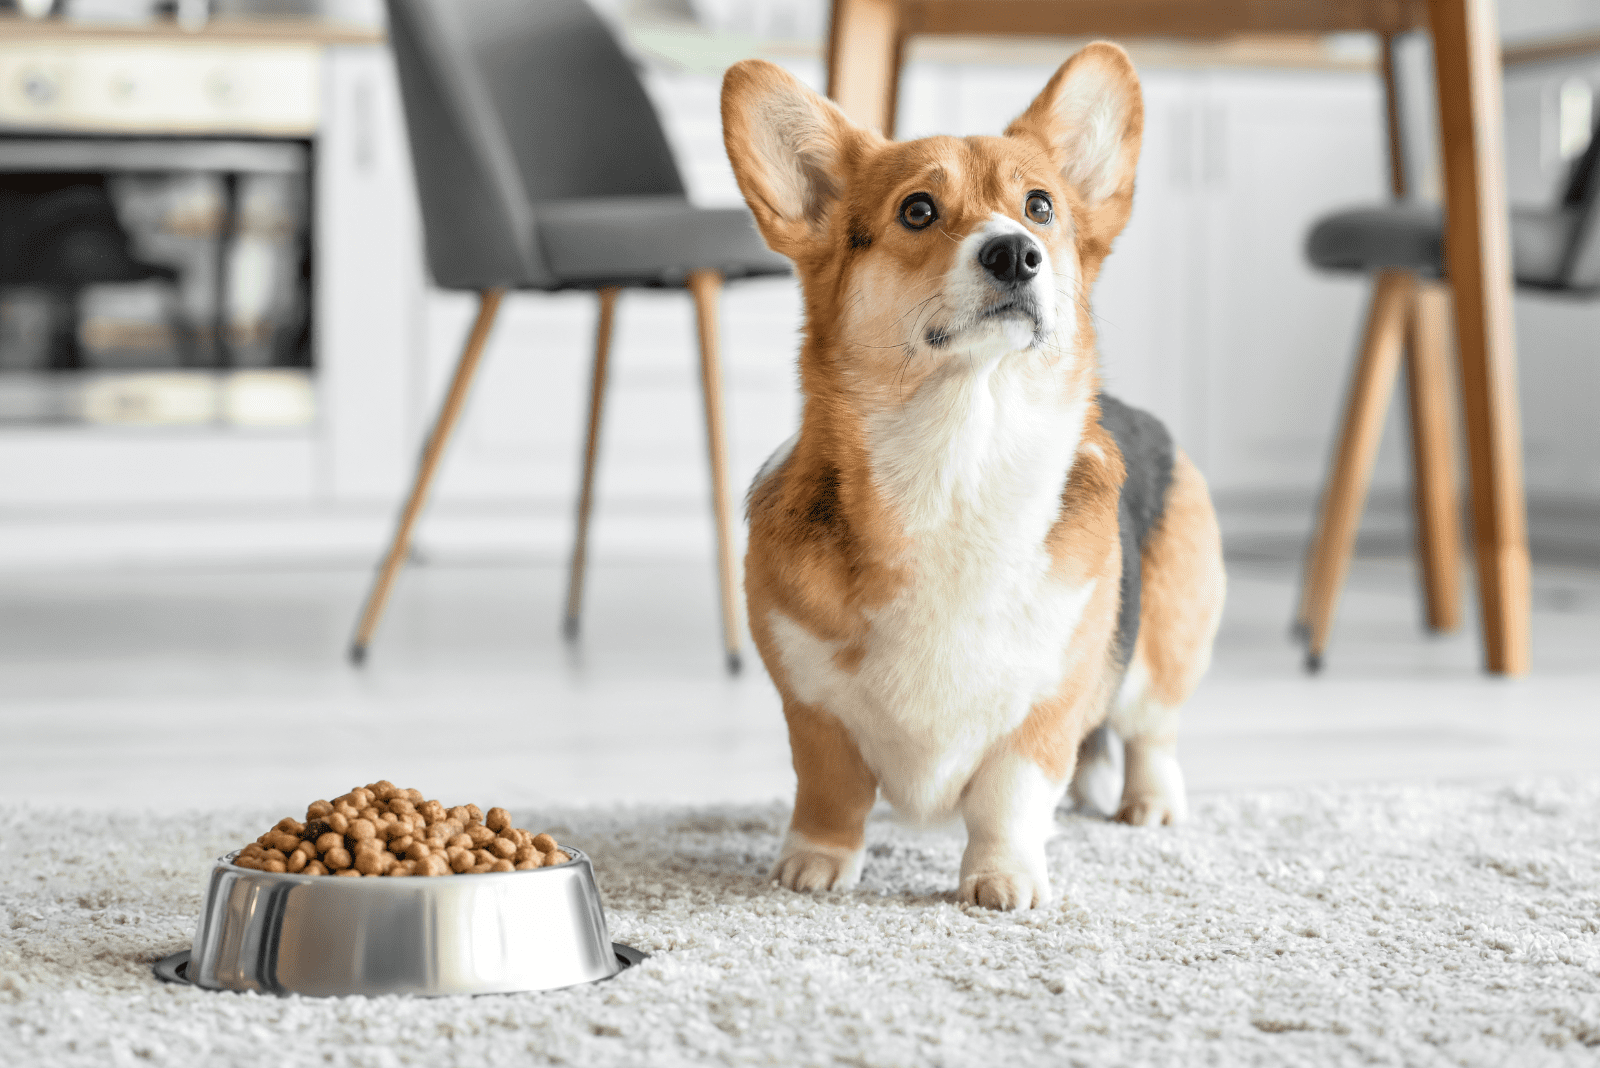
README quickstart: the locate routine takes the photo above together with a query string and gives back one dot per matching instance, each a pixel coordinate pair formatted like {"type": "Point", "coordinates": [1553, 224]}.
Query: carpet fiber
{"type": "Point", "coordinates": [1383, 925]}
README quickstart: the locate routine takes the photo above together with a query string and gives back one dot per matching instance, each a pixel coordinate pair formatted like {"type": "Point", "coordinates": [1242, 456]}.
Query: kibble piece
{"type": "Point", "coordinates": [484, 856]}
{"type": "Point", "coordinates": [337, 859]}
{"type": "Point", "coordinates": [481, 836]}
{"type": "Point", "coordinates": [555, 857]}
{"type": "Point", "coordinates": [383, 789]}
{"type": "Point", "coordinates": [504, 848]}
{"type": "Point", "coordinates": [418, 851]}
{"type": "Point", "coordinates": [502, 865]}
{"type": "Point", "coordinates": [338, 822]}
{"type": "Point", "coordinates": [543, 843]}
{"type": "Point", "coordinates": [274, 865]}
{"type": "Point", "coordinates": [460, 814]}
{"type": "Point", "coordinates": [242, 861]}
{"type": "Point", "coordinates": [367, 862]}
{"type": "Point", "coordinates": [274, 854]}
{"type": "Point", "coordinates": [399, 846]}
{"type": "Point", "coordinates": [431, 811]}
{"type": "Point", "coordinates": [527, 865]}
{"type": "Point", "coordinates": [525, 853]}
{"type": "Point", "coordinates": [362, 828]}
{"type": "Point", "coordinates": [315, 867]}
{"type": "Point", "coordinates": [433, 864]}
{"type": "Point", "coordinates": [462, 860]}
{"type": "Point", "coordinates": [331, 840]}
{"type": "Point", "coordinates": [497, 820]}
{"type": "Point", "coordinates": [479, 869]}
{"type": "Point", "coordinates": [290, 824]}
{"type": "Point", "coordinates": [318, 810]}
{"type": "Point", "coordinates": [475, 812]}
{"type": "Point", "coordinates": [348, 871]}
{"type": "Point", "coordinates": [461, 841]}
{"type": "Point", "coordinates": [296, 862]}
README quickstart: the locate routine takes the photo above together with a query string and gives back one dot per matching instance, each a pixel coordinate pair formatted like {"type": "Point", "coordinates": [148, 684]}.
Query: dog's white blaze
{"type": "Point", "coordinates": [973, 464]}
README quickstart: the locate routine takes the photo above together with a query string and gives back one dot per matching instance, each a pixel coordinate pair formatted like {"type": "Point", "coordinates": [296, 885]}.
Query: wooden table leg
{"type": "Point", "coordinates": [864, 53]}
{"type": "Point", "coordinates": [1466, 46]}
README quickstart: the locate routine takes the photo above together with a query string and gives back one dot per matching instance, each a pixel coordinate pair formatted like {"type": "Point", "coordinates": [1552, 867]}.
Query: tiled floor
{"type": "Point", "coordinates": [174, 689]}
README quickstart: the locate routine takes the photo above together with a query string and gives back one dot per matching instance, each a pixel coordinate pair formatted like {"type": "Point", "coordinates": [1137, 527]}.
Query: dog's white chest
{"type": "Point", "coordinates": [981, 630]}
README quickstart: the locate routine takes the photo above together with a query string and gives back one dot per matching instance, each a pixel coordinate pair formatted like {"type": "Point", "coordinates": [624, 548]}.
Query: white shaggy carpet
{"type": "Point", "coordinates": [1385, 925]}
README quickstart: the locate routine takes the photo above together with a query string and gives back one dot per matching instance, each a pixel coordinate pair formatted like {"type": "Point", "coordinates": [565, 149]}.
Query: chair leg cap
{"type": "Point", "coordinates": [358, 655]}
{"type": "Point", "coordinates": [569, 628]}
{"type": "Point", "coordinates": [735, 663]}
{"type": "Point", "coordinates": [1313, 663]}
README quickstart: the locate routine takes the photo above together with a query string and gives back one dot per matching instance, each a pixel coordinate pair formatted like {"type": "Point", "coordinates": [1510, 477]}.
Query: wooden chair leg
{"type": "Point", "coordinates": [1344, 496]}
{"type": "Point", "coordinates": [706, 286]}
{"type": "Point", "coordinates": [597, 396]}
{"type": "Point", "coordinates": [1438, 507]}
{"type": "Point", "coordinates": [449, 414]}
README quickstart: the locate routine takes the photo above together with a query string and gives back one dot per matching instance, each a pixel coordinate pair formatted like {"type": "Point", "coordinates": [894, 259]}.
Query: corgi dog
{"type": "Point", "coordinates": [968, 559]}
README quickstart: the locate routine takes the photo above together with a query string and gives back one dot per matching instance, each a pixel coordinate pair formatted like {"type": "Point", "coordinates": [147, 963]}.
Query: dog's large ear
{"type": "Point", "coordinates": [1091, 115]}
{"type": "Point", "coordinates": [787, 146]}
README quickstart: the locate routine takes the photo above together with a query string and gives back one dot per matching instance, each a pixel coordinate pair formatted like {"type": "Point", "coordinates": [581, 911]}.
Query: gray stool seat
{"type": "Point", "coordinates": [649, 240]}
{"type": "Point", "coordinates": [1410, 237]}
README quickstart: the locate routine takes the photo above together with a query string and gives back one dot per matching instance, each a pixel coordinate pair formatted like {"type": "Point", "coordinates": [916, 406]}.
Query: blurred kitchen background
{"type": "Point", "coordinates": [230, 366]}
{"type": "Point", "coordinates": [253, 378]}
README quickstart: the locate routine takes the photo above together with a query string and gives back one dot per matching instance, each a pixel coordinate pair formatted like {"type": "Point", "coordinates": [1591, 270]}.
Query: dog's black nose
{"type": "Point", "coordinates": [1012, 258]}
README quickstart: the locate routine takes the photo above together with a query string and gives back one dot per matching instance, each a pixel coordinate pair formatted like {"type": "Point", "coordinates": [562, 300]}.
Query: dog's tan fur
{"type": "Point", "coordinates": [839, 544]}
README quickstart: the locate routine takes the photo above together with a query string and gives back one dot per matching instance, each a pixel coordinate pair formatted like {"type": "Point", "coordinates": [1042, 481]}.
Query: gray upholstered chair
{"type": "Point", "coordinates": [541, 165]}
{"type": "Point", "coordinates": [1554, 250]}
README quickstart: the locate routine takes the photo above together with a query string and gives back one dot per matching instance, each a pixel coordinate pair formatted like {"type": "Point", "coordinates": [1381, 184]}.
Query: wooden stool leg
{"type": "Point", "coordinates": [1438, 507]}
{"type": "Point", "coordinates": [449, 413]}
{"type": "Point", "coordinates": [1345, 494]}
{"type": "Point", "coordinates": [706, 287]}
{"type": "Point", "coordinates": [597, 396]}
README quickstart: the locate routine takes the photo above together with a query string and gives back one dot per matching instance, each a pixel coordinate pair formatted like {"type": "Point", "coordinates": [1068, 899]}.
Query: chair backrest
{"type": "Point", "coordinates": [1581, 199]}
{"type": "Point", "coordinates": [510, 103]}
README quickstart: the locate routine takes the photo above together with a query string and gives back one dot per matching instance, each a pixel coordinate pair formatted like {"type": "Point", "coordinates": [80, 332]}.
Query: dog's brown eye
{"type": "Point", "coordinates": [917, 211]}
{"type": "Point", "coordinates": [1039, 208]}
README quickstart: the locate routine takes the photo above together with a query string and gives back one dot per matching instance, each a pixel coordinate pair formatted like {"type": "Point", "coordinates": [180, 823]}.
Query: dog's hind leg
{"type": "Point", "coordinates": [1181, 594]}
{"type": "Point", "coordinates": [835, 791]}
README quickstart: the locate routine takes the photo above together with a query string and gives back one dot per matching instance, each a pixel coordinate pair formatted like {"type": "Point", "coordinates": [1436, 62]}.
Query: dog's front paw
{"type": "Point", "coordinates": [808, 866]}
{"type": "Point", "coordinates": [1004, 890]}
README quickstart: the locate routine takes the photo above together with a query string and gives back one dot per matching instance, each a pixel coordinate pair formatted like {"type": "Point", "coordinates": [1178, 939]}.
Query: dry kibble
{"type": "Point", "coordinates": [367, 862]}
{"type": "Point", "coordinates": [380, 829]}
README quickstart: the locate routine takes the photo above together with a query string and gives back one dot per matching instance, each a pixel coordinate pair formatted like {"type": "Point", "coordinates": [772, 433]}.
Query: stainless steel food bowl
{"type": "Point", "coordinates": [492, 933]}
